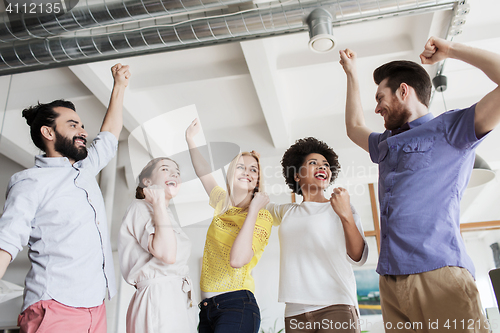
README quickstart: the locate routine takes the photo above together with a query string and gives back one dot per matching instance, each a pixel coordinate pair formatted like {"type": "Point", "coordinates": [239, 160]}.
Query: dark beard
{"type": "Point", "coordinates": [397, 117]}
{"type": "Point", "coordinates": [67, 147]}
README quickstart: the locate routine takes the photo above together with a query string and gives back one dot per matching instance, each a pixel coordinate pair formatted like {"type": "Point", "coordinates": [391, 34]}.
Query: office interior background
{"type": "Point", "coordinates": [245, 69]}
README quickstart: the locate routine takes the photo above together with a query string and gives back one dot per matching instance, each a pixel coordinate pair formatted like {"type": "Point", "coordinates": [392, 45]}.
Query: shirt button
{"type": "Point", "coordinates": [388, 189]}
{"type": "Point", "coordinates": [205, 303]}
{"type": "Point", "coordinates": [393, 169]}
{"type": "Point", "coordinates": [392, 147]}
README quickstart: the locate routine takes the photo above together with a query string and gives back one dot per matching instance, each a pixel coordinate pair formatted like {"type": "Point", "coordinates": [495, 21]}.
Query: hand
{"type": "Point", "coordinates": [155, 195]}
{"type": "Point", "coordinates": [435, 50]}
{"type": "Point", "coordinates": [348, 60]}
{"type": "Point", "coordinates": [255, 153]}
{"type": "Point", "coordinates": [341, 202]}
{"type": "Point", "coordinates": [259, 201]}
{"type": "Point", "coordinates": [193, 129]}
{"type": "Point", "coordinates": [121, 74]}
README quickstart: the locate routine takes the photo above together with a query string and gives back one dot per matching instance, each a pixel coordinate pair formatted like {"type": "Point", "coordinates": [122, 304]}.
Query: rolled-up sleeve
{"type": "Point", "coordinates": [101, 151]}
{"type": "Point", "coordinates": [19, 212]}
{"type": "Point", "coordinates": [373, 141]}
{"type": "Point", "coordinates": [460, 128]}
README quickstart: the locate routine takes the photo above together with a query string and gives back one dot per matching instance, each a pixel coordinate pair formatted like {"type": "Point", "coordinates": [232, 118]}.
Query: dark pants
{"type": "Point", "coordinates": [231, 312]}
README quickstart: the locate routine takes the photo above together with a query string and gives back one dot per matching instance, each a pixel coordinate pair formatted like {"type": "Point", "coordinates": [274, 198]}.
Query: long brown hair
{"type": "Point", "coordinates": [146, 173]}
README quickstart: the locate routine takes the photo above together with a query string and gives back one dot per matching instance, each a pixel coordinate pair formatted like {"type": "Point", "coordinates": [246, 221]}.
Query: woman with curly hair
{"type": "Point", "coordinates": [320, 239]}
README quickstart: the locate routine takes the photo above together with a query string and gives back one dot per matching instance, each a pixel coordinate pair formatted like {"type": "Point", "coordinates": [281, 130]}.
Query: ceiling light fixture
{"type": "Point", "coordinates": [440, 83]}
{"type": "Point", "coordinates": [481, 173]}
{"type": "Point", "coordinates": [320, 31]}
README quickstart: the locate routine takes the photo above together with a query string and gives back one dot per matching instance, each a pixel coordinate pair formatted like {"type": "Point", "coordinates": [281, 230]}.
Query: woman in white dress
{"type": "Point", "coordinates": [153, 253]}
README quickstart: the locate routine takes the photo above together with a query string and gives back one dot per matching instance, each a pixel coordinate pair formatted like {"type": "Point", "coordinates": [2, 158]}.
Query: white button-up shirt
{"type": "Point", "coordinates": [57, 209]}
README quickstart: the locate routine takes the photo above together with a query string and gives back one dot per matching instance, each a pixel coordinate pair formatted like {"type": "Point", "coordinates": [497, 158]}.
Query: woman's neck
{"type": "Point", "coordinates": [316, 195]}
{"type": "Point", "coordinates": [242, 198]}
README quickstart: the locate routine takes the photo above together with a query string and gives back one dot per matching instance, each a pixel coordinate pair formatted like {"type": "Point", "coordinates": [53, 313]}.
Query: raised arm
{"type": "Point", "coordinates": [241, 251]}
{"type": "Point", "coordinates": [354, 118]}
{"type": "Point", "coordinates": [487, 115]}
{"type": "Point", "coordinates": [5, 259]}
{"type": "Point", "coordinates": [163, 243]}
{"type": "Point", "coordinates": [340, 201]}
{"type": "Point", "coordinates": [201, 166]}
{"type": "Point", "coordinates": [113, 120]}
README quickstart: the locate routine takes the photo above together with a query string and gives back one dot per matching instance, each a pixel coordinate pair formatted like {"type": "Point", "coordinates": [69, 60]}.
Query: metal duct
{"type": "Point", "coordinates": [167, 34]}
{"type": "Point", "coordinates": [87, 16]}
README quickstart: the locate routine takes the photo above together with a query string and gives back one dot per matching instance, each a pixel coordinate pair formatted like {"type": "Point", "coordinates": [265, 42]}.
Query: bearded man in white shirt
{"type": "Point", "coordinates": [57, 209]}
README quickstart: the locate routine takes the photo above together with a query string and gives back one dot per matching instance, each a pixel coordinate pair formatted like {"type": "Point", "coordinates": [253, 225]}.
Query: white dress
{"type": "Point", "coordinates": [162, 302]}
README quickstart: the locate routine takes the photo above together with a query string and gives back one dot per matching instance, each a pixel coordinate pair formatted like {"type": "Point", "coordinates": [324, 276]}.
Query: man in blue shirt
{"type": "Point", "coordinates": [57, 209]}
{"type": "Point", "coordinates": [426, 277]}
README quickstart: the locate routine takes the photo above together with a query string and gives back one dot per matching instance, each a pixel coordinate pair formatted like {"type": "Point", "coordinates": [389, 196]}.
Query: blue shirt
{"type": "Point", "coordinates": [57, 209]}
{"type": "Point", "coordinates": [423, 173]}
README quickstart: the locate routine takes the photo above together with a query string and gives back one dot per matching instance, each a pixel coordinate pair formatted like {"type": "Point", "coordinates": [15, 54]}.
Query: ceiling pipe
{"type": "Point", "coordinates": [320, 31]}
{"type": "Point", "coordinates": [84, 16]}
{"type": "Point", "coordinates": [201, 29]}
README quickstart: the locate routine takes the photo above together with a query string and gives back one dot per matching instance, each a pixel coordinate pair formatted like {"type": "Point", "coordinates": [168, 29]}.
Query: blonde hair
{"type": "Point", "coordinates": [229, 200]}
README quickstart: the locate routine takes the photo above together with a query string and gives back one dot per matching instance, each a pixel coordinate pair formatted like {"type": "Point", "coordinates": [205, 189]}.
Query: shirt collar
{"type": "Point", "coordinates": [422, 120]}
{"type": "Point", "coordinates": [415, 123]}
{"type": "Point", "coordinates": [42, 161]}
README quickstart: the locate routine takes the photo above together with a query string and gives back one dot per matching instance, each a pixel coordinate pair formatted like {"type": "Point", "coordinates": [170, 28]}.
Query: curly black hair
{"type": "Point", "coordinates": [294, 158]}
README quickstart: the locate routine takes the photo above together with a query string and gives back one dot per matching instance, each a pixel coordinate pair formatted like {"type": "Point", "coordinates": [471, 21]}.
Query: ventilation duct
{"type": "Point", "coordinates": [88, 16]}
{"type": "Point", "coordinates": [165, 33]}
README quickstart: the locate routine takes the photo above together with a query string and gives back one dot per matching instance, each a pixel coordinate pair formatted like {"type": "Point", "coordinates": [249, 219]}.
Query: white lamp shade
{"type": "Point", "coordinates": [480, 177]}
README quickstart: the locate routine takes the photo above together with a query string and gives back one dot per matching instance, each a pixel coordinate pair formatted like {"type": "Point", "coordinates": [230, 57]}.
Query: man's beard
{"type": "Point", "coordinates": [67, 147]}
{"type": "Point", "coordinates": [397, 116]}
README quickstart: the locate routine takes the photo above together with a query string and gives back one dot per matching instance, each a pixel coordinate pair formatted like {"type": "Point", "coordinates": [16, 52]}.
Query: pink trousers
{"type": "Point", "coordinates": [54, 317]}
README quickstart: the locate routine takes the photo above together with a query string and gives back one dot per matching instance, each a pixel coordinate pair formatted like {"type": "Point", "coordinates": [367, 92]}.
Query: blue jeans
{"type": "Point", "coordinates": [231, 312]}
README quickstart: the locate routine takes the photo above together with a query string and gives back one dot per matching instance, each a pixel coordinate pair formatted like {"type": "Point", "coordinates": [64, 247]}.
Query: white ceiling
{"type": "Point", "coordinates": [263, 94]}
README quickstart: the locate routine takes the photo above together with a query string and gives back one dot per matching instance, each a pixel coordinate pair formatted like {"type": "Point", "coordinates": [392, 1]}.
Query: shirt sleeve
{"type": "Point", "coordinates": [364, 256]}
{"type": "Point", "coordinates": [101, 151]}
{"type": "Point", "coordinates": [133, 240]}
{"type": "Point", "coordinates": [139, 224]}
{"type": "Point", "coordinates": [19, 212]}
{"type": "Point", "coordinates": [278, 211]}
{"type": "Point", "coordinates": [460, 128]}
{"type": "Point", "coordinates": [373, 141]}
{"type": "Point", "coordinates": [217, 195]}
{"type": "Point", "coordinates": [262, 231]}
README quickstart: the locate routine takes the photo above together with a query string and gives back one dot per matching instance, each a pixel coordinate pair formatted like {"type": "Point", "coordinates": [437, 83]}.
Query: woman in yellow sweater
{"type": "Point", "coordinates": [236, 239]}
